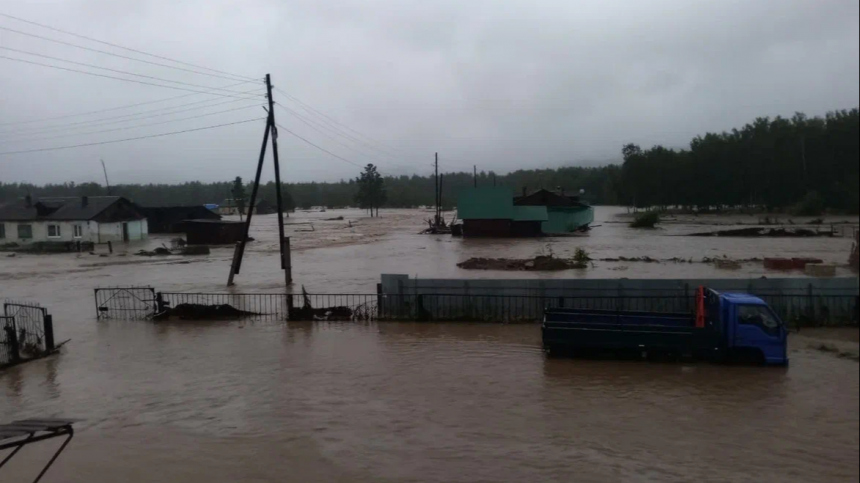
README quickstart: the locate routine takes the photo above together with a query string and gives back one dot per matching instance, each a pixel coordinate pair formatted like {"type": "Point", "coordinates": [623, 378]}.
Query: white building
{"type": "Point", "coordinates": [97, 219]}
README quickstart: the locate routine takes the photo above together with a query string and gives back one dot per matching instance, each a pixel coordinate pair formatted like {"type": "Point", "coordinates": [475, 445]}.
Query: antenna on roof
{"type": "Point", "coordinates": [106, 178]}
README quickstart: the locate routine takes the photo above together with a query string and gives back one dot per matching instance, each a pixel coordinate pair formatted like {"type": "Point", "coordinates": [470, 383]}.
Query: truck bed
{"type": "Point", "coordinates": [589, 331]}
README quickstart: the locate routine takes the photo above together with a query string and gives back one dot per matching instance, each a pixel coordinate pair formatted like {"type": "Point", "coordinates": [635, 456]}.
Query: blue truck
{"type": "Point", "coordinates": [724, 327]}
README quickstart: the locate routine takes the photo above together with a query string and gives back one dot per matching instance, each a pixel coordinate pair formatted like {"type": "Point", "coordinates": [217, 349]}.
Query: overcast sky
{"type": "Point", "coordinates": [502, 84]}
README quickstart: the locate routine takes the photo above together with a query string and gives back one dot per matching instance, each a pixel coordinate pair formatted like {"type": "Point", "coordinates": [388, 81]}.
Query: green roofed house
{"type": "Point", "coordinates": [493, 211]}
{"type": "Point", "coordinates": [490, 211]}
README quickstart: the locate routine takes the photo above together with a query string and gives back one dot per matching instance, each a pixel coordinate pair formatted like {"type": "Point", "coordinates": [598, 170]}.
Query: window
{"type": "Point", "coordinates": [79, 231]}
{"type": "Point", "coordinates": [758, 315]}
{"type": "Point", "coordinates": [2, 231]}
{"type": "Point", "coordinates": [25, 232]}
{"type": "Point", "coordinates": [53, 231]}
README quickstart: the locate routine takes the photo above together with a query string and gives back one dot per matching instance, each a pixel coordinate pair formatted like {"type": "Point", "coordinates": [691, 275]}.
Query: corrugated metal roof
{"type": "Point", "coordinates": [530, 213]}
{"type": "Point", "coordinates": [486, 203]}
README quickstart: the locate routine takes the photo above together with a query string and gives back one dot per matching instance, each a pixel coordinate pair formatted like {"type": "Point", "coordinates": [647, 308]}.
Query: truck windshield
{"type": "Point", "coordinates": [758, 315]}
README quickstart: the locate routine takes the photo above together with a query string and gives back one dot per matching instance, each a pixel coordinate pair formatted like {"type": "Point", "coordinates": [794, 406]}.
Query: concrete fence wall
{"type": "Point", "coordinates": [824, 300]}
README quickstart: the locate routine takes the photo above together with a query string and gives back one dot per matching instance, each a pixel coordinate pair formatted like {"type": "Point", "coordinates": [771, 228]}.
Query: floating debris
{"type": "Point", "coordinates": [308, 312]}
{"type": "Point", "coordinates": [765, 232]}
{"type": "Point", "coordinates": [539, 263]}
{"type": "Point", "coordinates": [203, 312]}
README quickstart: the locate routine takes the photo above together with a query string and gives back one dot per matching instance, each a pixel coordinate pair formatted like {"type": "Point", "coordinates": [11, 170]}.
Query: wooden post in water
{"type": "Point", "coordinates": [286, 258]}
{"type": "Point", "coordinates": [236, 255]}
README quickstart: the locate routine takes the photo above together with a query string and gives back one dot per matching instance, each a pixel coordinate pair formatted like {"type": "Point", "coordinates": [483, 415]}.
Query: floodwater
{"type": "Point", "coordinates": [412, 402]}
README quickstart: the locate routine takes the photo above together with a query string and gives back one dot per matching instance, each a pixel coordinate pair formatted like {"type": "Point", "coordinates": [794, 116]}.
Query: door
{"type": "Point", "coordinates": [758, 328]}
{"type": "Point", "coordinates": [125, 232]}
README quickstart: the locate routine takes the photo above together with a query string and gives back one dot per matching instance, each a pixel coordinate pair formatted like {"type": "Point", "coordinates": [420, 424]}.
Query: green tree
{"type": "Point", "coordinates": [371, 190]}
{"type": "Point", "coordinates": [238, 193]}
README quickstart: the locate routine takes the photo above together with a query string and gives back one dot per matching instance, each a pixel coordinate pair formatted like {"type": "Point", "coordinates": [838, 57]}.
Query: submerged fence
{"type": "Point", "coordinates": [142, 303]}
{"type": "Point", "coordinates": [26, 332]}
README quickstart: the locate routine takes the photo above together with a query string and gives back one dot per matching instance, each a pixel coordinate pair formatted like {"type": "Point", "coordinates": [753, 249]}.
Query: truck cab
{"type": "Point", "coordinates": [723, 327]}
{"type": "Point", "coordinates": [751, 330]}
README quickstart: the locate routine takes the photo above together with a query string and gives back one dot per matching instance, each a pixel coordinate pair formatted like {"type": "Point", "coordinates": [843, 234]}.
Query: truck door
{"type": "Point", "coordinates": [758, 328]}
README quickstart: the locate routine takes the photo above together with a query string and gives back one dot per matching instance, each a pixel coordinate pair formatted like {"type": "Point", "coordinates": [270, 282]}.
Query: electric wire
{"type": "Point", "coordinates": [221, 74]}
{"type": "Point", "coordinates": [55, 148]}
{"type": "Point", "coordinates": [118, 71]}
{"type": "Point", "coordinates": [113, 77]}
{"type": "Point", "coordinates": [121, 118]}
{"type": "Point", "coordinates": [66, 116]}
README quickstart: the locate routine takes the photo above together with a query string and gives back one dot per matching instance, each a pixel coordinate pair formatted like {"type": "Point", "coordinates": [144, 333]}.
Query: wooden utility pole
{"type": "Point", "coordinates": [288, 276]}
{"type": "Point", "coordinates": [240, 247]}
{"type": "Point", "coordinates": [475, 175]}
{"type": "Point", "coordinates": [107, 183]}
{"type": "Point", "coordinates": [441, 219]}
{"type": "Point", "coordinates": [436, 192]}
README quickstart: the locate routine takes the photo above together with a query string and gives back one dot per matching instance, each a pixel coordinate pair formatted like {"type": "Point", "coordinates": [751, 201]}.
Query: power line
{"type": "Point", "coordinates": [128, 49]}
{"type": "Point", "coordinates": [318, 147]}
{"type": "Point", "coordinates": [135, 127]}
{"type": "Point", "coordinates": [115, 108]}
{"type": "Point", "coordinates": [120, 118]}
{"type": "Point", "coordinates": [93, 66]}
{"type": "Point", "coordinates": [129, 139]}
{"type": "Point", "coordinates": [310, 108]}
{"type": "Point", "coordinates": [314, 127]}
{"type": "Point", "coordinates": [118, 78]}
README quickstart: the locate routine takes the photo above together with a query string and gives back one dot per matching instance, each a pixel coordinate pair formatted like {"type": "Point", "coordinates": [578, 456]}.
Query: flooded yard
{"type": "Point", "coordinates": [411, 402]}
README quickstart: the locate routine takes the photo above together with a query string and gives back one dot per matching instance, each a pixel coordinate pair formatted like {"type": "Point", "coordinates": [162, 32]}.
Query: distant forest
{"type": "Point", "coordinates": [776, 164]}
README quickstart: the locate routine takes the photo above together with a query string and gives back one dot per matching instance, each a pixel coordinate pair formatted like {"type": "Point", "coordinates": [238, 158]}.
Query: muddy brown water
{"type": "Point", "coordinates": [409, 402]}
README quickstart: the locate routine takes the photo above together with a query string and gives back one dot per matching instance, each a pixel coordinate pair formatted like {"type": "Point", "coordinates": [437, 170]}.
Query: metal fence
{"type": "Point", "coordinates": [27, 332]}
{"type": "Point", "coordinates": [144, 303]}
{"type": "Point", "coordinates": [129, 303]}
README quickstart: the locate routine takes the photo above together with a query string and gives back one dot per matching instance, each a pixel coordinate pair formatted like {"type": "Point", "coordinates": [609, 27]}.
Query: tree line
{"type": "Point", "coordinates": [802, 163]}
{"type": "Point", "coordinates": [389, 191]}
{"type": "Point", "coordinates": [770, 163]}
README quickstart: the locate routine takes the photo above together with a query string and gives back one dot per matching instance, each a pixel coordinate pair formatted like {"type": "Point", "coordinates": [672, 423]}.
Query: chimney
{"type": "Point", "coordinates": [28, 201]}
{"type": "Point", "coordinates": [85, 200]}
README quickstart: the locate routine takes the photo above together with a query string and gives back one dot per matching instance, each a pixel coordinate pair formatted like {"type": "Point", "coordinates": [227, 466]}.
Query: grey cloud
{"type": "Point", "coordinates": [504, 85]}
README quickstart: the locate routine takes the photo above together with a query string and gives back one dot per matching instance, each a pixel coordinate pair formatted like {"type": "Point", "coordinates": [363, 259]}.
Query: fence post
{"type": "Point", "coordinates": [48, 321]}
{"type": "Point", "coordinates": [810, 303]}
{"type": "Point", "coordinates": [12, 338]}
{"type": "Point", "coordinates": [379, 309]}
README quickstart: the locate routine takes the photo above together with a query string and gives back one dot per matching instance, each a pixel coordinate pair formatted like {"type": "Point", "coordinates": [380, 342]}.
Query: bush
{"type": "Point", "coordinates": [581, 256]}
{"type": "Point", "coordinates": [812, 204]}
{"type": "Point", "coordinates": [645, 220]}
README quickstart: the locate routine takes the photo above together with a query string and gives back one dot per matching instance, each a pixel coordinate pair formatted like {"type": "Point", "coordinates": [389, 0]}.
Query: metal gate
{"type": "Point", "coordinates": [128, 303]}
{"type": "Point", "coordinates": [28, 332]}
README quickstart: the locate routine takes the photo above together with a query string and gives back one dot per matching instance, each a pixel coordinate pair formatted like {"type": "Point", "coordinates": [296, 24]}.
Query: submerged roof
{"type": "Point", "coordinates": [59, 209]}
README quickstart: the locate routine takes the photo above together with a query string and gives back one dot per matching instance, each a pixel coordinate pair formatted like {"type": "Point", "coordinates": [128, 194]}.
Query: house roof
{"type": "Point", "coordinates": [185, 212]}
{"type": "Point", "coordinates": [544, 197]}
{"type": "Point", "coordinates": [530, 213]}
{"type": "Point", "coordinates": [485, 203]}
{"type": "Point", "coordinates": [59, 209]}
